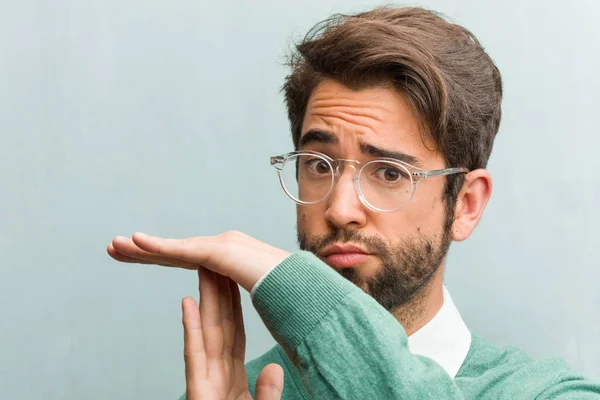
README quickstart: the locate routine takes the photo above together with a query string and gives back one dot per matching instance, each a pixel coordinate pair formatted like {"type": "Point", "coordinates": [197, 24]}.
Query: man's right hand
{"type": "Point", "coordinates": [215, 345]}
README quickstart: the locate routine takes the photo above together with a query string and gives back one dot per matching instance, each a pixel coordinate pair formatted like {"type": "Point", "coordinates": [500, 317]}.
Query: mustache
{"type": "Point", "coordinates": [373, 245]}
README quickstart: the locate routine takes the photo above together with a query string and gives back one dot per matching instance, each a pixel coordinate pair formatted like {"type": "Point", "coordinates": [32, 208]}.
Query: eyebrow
{"type": "Point", "coordinates": [317, 136]}
{"type": "Point", "coordinates": [378, 152]}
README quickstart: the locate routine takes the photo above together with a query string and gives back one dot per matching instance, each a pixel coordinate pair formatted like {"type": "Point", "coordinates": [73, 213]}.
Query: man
{"type": "Point", "coordinates": [393, 115]}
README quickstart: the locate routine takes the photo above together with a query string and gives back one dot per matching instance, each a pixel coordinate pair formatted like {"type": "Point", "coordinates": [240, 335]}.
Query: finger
{"type": "Point", "coordinates": [226, 308]}
{"type": "Point", "coordinates": [269, 385]}
{"type": "Point", "coordinates": [120, 257]}
{"type": "Point", "coordinates": [127, 247]}
{"type": "Point", "coordinates": [210, 314]}
{"type": "Point", "coordinates": [239, 343]}
{"type": "Point", "coordinates": [193, 344]}
{"type": "Point", "coordinates": [196, 251]}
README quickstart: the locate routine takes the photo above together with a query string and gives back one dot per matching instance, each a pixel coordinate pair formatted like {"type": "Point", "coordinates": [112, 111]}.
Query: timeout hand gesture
{"type": "Point", "coordinates": [214, 337]}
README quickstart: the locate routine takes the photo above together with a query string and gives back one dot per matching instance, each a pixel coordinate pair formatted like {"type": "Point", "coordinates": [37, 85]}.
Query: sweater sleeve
{"type": "Point", "coordinates": [343, 343]}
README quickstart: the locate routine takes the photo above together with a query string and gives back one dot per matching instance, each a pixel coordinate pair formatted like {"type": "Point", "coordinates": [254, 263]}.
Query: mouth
{"type": "Point", "coordinates": [344, 255]}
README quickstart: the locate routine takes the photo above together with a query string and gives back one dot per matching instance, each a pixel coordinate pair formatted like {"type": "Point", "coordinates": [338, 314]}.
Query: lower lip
{"type": "Point", "coordinates": [342, 260]}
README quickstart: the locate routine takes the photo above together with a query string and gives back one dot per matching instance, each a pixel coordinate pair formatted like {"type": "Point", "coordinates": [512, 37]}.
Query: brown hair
{"type": "Point", "coordinates": [451, 83]}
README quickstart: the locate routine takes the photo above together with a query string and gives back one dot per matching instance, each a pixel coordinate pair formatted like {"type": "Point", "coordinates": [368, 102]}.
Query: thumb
{"type": "Point", "coordinates": [269, 385]}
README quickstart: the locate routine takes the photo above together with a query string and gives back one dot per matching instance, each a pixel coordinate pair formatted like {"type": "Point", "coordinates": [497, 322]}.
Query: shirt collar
{"type": "Point", "coordinates": [445, 339]}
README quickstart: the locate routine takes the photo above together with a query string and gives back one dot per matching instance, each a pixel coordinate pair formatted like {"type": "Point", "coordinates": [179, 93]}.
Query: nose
{"type": "Point", "coordinates": [344, 208]}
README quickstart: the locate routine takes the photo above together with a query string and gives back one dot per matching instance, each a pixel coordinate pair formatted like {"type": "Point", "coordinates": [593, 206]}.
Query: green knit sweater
{"type": "Point", "coordinates": [336, 342]}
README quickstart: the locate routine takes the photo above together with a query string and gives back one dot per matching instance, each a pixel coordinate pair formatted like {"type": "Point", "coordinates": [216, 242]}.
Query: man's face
{"type": "Point", "coordinates": [404, 248]}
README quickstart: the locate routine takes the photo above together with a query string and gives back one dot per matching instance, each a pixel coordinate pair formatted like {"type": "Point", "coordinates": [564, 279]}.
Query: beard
{"type": "Point", "coordinates": [406, 269]}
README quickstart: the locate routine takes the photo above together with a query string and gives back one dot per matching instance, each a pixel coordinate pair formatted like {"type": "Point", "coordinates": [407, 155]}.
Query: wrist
{"type": "Point", "coordinates": [248, 277]}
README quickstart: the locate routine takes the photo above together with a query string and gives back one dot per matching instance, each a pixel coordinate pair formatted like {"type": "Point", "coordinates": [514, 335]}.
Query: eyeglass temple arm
{"type": "Point", "coordinates": [439, 172]}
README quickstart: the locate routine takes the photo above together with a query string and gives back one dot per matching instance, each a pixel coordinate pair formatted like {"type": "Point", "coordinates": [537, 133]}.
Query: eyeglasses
{"type": "Point", "coordinates": [383, 185]}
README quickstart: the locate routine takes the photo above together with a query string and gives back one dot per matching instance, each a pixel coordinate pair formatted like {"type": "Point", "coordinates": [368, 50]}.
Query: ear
{"type": "Point", "coordinates": [470, 204]}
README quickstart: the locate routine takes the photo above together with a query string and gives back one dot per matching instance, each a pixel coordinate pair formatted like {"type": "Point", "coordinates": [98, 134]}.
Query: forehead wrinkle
{"type": "Point", "coordinates": [351, 107]}
{"type": "Point", "coordinates": [352, 120]}
{"type": "Point", "coordinates": [329, 107]}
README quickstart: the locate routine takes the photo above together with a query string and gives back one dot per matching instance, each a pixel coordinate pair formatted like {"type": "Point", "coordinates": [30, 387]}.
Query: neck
{"type": "Point", "coordinates": [423, 307]}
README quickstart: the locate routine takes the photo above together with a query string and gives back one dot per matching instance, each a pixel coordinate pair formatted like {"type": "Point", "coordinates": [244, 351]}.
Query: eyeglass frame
{"type": "Point", "coordinates": [416, 175]}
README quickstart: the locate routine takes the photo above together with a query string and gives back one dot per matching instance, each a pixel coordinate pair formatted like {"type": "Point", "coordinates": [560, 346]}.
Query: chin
{"type": "Point", "coordinates": [358, 273]}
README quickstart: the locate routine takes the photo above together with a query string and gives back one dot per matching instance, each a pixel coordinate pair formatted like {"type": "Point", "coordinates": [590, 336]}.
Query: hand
{"type": "Point", "coordinates": [232, 254]}
{"type": "Point", "coordinates": [215, 345]}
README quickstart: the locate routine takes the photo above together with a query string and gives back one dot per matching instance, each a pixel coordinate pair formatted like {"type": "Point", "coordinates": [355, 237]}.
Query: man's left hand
{"type": "Point", "coordinates": [233, 254]}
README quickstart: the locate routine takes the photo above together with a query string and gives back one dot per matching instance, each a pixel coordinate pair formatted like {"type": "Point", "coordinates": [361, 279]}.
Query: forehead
{"type": "Point", "coordinates": [376, 116]}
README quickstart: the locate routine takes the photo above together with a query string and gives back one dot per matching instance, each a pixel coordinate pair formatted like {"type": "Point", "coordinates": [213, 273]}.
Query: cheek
{"type": "Point", "coordinates": [310, 218]}
{"type": "Point", "coordinates": [425, 213]}
{"type": "Point", "coordinates": [300, 217]}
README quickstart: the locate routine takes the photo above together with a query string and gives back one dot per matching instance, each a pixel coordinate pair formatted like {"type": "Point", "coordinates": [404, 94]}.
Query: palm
{"type": "Point", "coordinates": [215, 345]}
{"type": "Point", "coordinates": [228, 381]}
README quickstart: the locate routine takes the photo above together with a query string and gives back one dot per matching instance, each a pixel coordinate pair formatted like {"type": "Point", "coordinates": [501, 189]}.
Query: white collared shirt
{"type": "Point", "coordinates": [445, 338]}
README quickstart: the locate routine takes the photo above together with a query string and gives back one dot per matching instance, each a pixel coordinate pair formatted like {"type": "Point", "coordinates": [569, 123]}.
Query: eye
{"type": "Point", "coordinates": [318, 166]}
{"type": "Point", "coordinates": [389, 174]}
